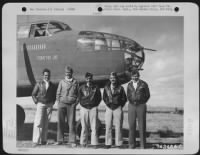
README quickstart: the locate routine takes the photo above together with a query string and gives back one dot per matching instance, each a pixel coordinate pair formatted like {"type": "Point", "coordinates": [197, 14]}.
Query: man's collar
{"type": "Point", "coordinates": [116, 86]}
{"type": "Point", "coordinates": [91, 85]}
{"type": "Point", "coordinates": [113, 85]}
{"type": "Point", "coordinates": [136, 81]}
{"type": "Point", "coordinates": [46, 81]}
{"type": "Point", "coordinates": [69, 80]}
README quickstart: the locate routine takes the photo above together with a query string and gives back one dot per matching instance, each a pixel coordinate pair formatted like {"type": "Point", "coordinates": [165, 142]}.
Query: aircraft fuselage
{"type": "Point", "coordinates": [85, 51]}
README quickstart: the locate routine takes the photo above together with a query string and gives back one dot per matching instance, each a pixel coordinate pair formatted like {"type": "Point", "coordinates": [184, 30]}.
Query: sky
{"type": "Point", "coordinates": [163, 69]}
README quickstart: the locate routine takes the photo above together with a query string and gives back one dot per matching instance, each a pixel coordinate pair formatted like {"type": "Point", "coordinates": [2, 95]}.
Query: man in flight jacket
{"type": "Point", "coordinates": [44, 97]}
{"type": "Point", "coordinates": [115, 98]}
{"type": "Point", "coordinates": [137, 94]}
{"type": "Point", "coordinates": [89, 97]}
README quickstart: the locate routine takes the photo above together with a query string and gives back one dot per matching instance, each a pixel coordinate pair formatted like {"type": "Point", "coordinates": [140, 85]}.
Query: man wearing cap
{"type": "Point", "coordinates": [44, 97]}
{"type": "Point", "coordinates": [115, 98]}
{"type": "Point", "coordinates": [138, 95]}
{"type": "Point", "coordinates": [67, 98]}
{"type": "Point", "coordinates": [89, 97]}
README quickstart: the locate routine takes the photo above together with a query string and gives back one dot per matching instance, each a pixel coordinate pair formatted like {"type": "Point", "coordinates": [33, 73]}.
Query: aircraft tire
{"type": "Point", "coordinates": [20, 117]}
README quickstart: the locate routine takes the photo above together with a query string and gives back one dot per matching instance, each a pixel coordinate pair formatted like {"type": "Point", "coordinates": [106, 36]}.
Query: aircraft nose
{"type": "Point", "coordinates": [134, 59]}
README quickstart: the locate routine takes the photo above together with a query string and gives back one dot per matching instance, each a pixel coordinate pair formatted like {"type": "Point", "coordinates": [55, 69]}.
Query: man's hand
{"type": "Point", "coordinates": [56, 104]}
{"type": "Point", "coordinates": [35, 100]}
{"type": "Point", "coordinates": [77, 102]}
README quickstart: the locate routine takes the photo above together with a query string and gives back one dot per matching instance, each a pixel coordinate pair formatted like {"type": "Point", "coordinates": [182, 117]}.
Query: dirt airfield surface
{"type": "Point", "coordinates": [164, 128]}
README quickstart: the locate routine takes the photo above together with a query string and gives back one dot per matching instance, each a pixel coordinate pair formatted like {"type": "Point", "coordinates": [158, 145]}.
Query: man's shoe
{"type": "Point", "coordinates": [83, 145]}
{"type": "Point", "coordinates": [58, 143]}
{"type": "Point", "coordinates": [107, 146]}
{"type": "Point", "coordinates": [120, 147]}
{"type": "Point", "coordinates": [73, 145]}
{"type": "Point", "coordinates": [35, 144]}
{"type": "Point", "coordinates": [131, 147]}
{"type": "Point", "coordinates": [94, 146]}
{"type": "Point", "coordinates": [43, 143]}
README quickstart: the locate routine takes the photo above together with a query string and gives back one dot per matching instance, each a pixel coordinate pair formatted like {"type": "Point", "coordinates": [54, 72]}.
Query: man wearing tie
{"type": "Point", "coordinates": [44, 97]}
{"type": "Point", "coordinates": [137, 94]}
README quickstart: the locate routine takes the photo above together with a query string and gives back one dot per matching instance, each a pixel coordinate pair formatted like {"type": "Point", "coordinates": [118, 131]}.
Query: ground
{"type": "Point", "coordinates": [164, 129]}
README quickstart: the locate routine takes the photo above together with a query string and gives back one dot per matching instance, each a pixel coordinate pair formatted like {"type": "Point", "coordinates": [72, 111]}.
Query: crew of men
{"type": "Point", "coordinates": [69, 94]}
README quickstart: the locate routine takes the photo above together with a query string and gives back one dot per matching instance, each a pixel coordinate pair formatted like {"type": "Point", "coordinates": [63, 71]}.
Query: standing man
{"type": "Point", "coordinates": [137, 94]}
{"type": "Point", "coordinates": [67, 98]}
{"type": "Point", "coordinates": [89, 97]}
{"type": "Point", "coordinates": [44, 97]}
{"type": "Point", "coordinates": [115, 98]}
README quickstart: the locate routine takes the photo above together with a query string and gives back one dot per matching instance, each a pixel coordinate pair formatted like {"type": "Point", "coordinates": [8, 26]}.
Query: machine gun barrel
{"type": "Point", "coordinates": [148, 49]}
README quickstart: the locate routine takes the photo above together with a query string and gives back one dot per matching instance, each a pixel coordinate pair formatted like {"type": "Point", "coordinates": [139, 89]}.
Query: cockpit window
{"type": "Point", "coordinates": [85, 44]}
{"type": "Point", "coordinates": [99, 41]}
{"type": "Point", "coordinates": [38, 30]}
{"type": "Point", "coordinates": [47, 29]}
{"type": "Point", "coordinates": [100, 44]}
{"type": "Point", "coordinates": [91, 41]}
{"type": "Point", "coordinates": [113, 42]}
{"type": "Point", "coordinates": [55, 27]}
{"type": "Point", "coordinates": [115, 45]}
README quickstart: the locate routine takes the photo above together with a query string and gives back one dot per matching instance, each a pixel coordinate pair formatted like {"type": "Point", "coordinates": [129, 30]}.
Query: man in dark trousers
{"type": "Point", "coordinates": [44, 97]}
{"type": "Point", "coordinates": [138, 95]}
{"type": "Point", "coordinates": [67, 98]}
{"type": "Point", "coordinates": [89, 97]}
{"type": "Point", "coordinates": [115, 98]}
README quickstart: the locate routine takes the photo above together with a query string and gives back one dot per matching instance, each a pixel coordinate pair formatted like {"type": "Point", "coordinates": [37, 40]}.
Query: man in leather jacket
{"type": "Point", "coordinates": [89, 97]}
{"type": "Point", "coordinates": [44, 97]}
{"type": "Point", "coordinates": [137, 94]}
{"type": "Point", "coordinates": [115, 98]}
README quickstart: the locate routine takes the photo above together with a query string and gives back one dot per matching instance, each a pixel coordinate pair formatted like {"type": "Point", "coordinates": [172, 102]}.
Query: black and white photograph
{"type": "Point", "coordinates": [109, 83]}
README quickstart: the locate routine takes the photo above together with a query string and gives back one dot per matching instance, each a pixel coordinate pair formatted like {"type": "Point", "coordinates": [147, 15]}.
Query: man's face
{"type": "Point", "coordinates": [135, 77]}
{"type": "Point", "coordinates": [68, 75]}
{"type": "Point", "coordinates": [89, 79]}
{"type": "Point", "coordinates": [113, 79]}
{"type": "Point", "coordinates": [46, 76]}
